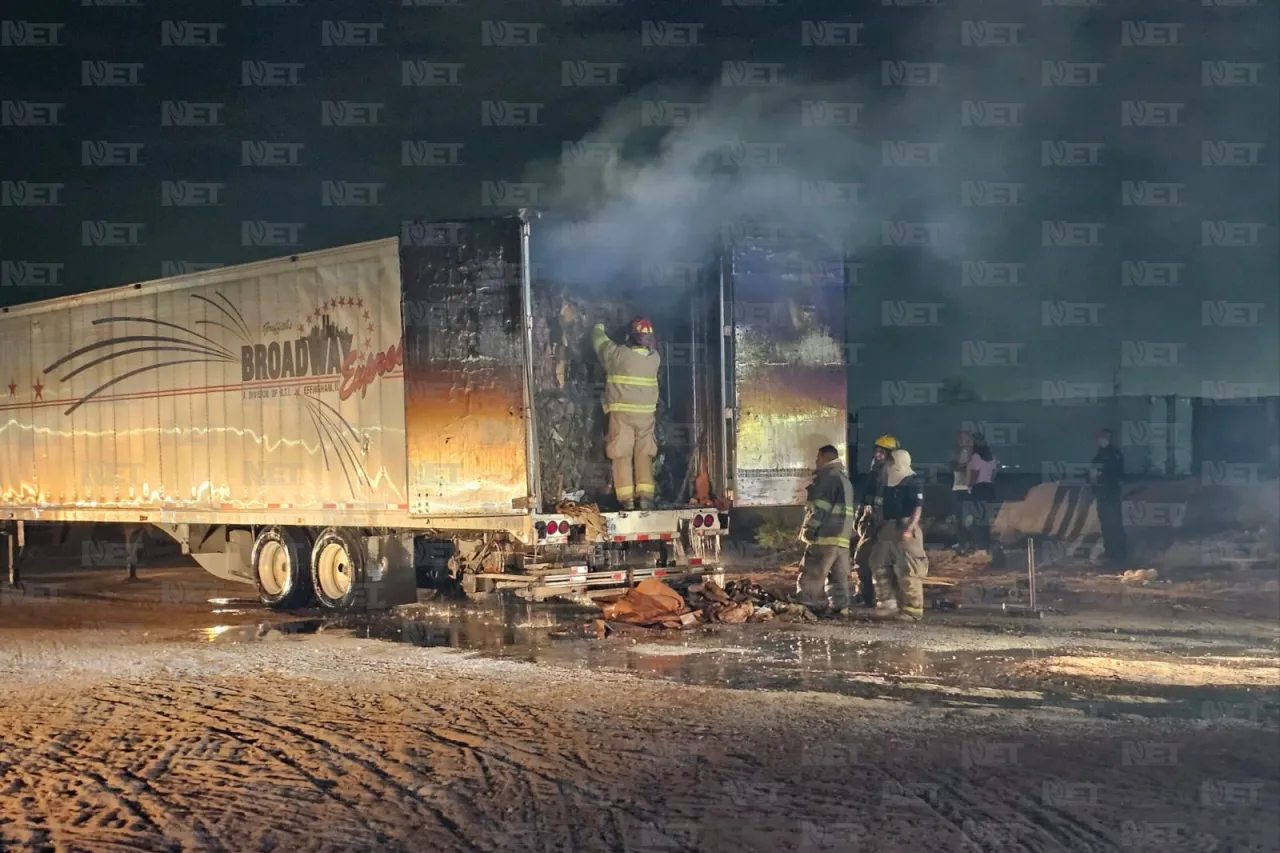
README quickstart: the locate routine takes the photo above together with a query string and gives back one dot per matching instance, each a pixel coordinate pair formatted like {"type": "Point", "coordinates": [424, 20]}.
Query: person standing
{"type": "Point", "coordinates": [960, 489]}
{"type": "Point", "coordinates": [982, 496]}
{"type": "Point", "coordinates": [631, 402]}
{"type": "Point", "coordinates": [869, 497]}
{"type": "Point", "coordinates": [898, 559]}
{"type": "Point", "coordinates": [824, 576]}
{"type": "Point", "coordinates": [1108, 474]}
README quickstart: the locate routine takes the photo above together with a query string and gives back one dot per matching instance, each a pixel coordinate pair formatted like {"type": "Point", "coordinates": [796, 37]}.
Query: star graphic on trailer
{"type": "Point", "coordinates": [13, 388]}
{"type": "Point", "coordinates": [39, 389]}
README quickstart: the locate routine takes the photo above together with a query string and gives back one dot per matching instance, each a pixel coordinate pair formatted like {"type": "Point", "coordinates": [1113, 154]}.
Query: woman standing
{"type": "Point", "coordinates": [960, 488]}
{"type": "Point", "coordinates": [982, 496]}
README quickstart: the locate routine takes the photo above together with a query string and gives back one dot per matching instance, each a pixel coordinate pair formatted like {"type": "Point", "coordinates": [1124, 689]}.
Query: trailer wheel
{"type": "Point", "coordinates": [280, 567]}
{"type": "Point", "coordinates": [337, 570]}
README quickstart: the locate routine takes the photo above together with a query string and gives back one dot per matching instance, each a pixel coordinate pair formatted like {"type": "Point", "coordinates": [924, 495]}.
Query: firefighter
{"type": "Point", "coordinates": [631, 401]}
{"type": "Point", "coordinates": [898, 561]}
{"type": "Point", "coordinates": [828, 527]}
{"type": "Point", "coordinates": [869, 493]}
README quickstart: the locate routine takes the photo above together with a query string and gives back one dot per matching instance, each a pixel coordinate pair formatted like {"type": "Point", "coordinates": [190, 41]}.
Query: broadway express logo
{"type": "Point", "coordinates": [322, 349]}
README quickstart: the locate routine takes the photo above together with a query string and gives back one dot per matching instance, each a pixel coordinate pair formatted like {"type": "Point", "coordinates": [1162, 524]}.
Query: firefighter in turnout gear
{"type": "Point", "coordinates": [631, 401]}
{"type": "Point", "coordinates": [898, 559]}
{"type": "Point", "coordinates": [869, 494]}
{"type": "Point", "coordinates": [824, 577]}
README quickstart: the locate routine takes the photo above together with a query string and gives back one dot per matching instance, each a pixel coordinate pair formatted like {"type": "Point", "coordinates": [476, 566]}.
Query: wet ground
{"type": "Point", "coordinates": [172, 713]}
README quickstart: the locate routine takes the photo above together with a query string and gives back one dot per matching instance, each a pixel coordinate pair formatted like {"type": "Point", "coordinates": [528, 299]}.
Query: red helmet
{"type": "Point", "coordinates": [641, 326]}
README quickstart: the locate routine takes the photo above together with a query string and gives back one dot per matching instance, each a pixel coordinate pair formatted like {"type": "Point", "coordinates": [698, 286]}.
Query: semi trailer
{"type": "Point", "coordinates": [333, 426]}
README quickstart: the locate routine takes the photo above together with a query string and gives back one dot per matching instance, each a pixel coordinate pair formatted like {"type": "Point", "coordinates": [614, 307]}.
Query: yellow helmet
{"type": "Point", "coordinates": [886, 442]}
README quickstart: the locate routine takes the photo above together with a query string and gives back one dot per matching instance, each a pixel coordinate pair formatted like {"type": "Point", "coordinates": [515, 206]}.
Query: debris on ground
{"type": "Point", "coordinates": [1139, 576]}
{"type": "Point", "coordinates": [651, 604]}
{"type": "Point", "coordinates": [587, 514]}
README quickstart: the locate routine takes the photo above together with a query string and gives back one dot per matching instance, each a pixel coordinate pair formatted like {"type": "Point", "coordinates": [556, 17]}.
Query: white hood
{"type": "Point", "coordinates": [900, 468]}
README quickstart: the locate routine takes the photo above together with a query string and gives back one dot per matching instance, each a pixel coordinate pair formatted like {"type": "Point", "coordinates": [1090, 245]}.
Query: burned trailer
{"type": "Point", "coordinates": [332, 425]}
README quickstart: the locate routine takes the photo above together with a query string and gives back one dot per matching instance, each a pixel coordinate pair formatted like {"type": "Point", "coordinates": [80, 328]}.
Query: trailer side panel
{"type": "Point", "coordinates": [273, 387]}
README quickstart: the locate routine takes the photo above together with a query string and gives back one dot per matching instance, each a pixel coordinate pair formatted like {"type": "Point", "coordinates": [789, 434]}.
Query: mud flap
{"type": "Point", "coordinates": [390, 579]}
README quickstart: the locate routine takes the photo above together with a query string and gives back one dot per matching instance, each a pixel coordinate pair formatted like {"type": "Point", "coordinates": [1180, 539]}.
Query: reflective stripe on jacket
{"type": "Point", "coordinates": [631, 375]}
{"type": "Point", "coordinates": [830, 507]}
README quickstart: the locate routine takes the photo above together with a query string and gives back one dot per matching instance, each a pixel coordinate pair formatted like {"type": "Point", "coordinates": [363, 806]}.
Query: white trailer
{"type": "Point", "coordinates": [303, 425]}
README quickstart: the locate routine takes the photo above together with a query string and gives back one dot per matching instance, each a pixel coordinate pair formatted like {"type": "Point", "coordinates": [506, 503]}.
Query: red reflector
{"type": "Point", "coordinates": [697, 521]}
{"type": "Point", "coordinates": [695, 561]}
{"type": "Point", "coordinates": [562, 527]}
{"type": "Point", "coordinates": [710, 520]}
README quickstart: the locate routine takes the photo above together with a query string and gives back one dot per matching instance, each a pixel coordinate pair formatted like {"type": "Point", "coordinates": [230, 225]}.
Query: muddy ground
{"type": "Point", "coordinates": [171, 714]}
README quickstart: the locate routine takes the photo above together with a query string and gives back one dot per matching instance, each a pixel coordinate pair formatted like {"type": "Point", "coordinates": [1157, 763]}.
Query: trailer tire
{"type": "Point", "coordinates": [338, 570]}
{"type": "Point", "coordinates": [281, 568]}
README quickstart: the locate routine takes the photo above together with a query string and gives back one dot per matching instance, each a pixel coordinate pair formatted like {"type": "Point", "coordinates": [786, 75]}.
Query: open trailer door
{"type": "Point", "coordinates": [787, 360]}
{"type": "Point", "coordinates": [466, 384]}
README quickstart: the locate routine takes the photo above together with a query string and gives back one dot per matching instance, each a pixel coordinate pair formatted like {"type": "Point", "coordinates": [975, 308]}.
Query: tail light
{"type": "Point", "coordinates": [697, 521]}
{"type": "Point", "coordinates": [709, 521]}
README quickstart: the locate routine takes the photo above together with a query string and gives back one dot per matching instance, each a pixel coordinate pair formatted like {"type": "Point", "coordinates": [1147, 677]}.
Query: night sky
{"type": "Point", "coordinates": [1048, 193]}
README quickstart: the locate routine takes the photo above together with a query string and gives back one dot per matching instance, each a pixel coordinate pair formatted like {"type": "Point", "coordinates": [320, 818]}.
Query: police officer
{"type": "Point", "coordinates": [1108, 474]}
{"type": "Point", "coordinates": [824, 577]}
{"type": "Point", "coordinates": [869, 495]}
{"type": "Point", "coordinates": [898, 561]}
